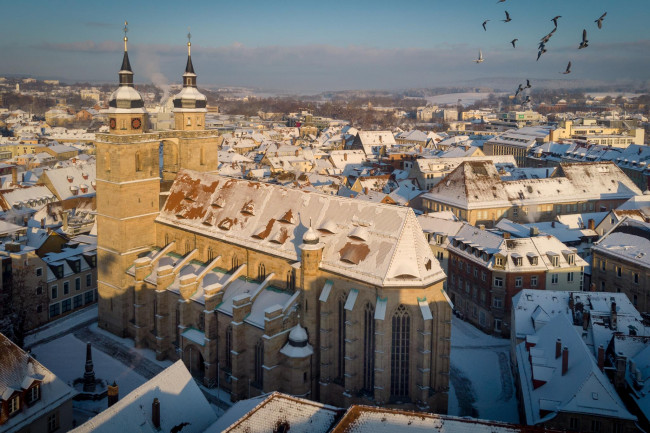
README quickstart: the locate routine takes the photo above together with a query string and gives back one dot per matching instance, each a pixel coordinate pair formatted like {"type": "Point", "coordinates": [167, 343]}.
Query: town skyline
{"type": "Point", "coordinates": [329, 47]}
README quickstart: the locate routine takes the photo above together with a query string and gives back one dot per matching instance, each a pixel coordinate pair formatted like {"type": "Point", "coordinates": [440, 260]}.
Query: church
{"type": "Point", "coordinates": [258, 287]}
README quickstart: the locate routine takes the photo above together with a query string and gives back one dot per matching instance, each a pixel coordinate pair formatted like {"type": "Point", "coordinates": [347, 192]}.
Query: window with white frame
{"type": "Point", "coordinates": [554, 278]}
{"type": "Point", "coordinates": [498, 282]}
{"type": "Point", "coordinates": [533, 281]}
{"type": "Point", "coordinates": [519, 281]}
{"type": "Point", "coordinates": [569, 277]}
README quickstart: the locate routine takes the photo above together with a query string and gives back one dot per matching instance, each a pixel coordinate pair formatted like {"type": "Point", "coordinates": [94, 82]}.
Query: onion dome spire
{"type": "Point", "coordinates": [126, 97]}
{"type": "Point", "coordinates": [189, 77]}
{"type": "Point", "coordinates": [189, 98]}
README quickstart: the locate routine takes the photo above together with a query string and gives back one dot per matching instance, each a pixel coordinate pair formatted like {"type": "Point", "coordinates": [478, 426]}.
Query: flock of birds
{"type": "Point", "coordinates": [541, 49]}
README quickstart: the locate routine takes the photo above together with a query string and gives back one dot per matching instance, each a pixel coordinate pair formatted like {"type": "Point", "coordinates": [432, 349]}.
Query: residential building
{"type": "Point", "coordinates": [621, 262]}
{"type": "Point", "coordinates": [517, 142]}
{"type": "Point", "coordinates": [475, 192]}
{"type": "Point", "coordinates": [486, 271]}
{"type": "Point", "coordinates": [32, 398]}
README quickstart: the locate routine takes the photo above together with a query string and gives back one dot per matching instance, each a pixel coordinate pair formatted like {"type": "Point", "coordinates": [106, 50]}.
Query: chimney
{"type": "Point", "coordinates": [481, 226]}
{"type": "Point", "coordinates": [506, 235]}
{"type": "Point", "coordinates": [42, 223]}
{"type": "Point", "coordinates": [591, 224]}
{"type": "Point", "coordinates": [614, 317]}
{"type": "Point", "coordinates": [113, 394]}
{"type": "Point", "coordinates": [14, 175]}
{"type": "Point", "coordinates": [155, 412]}
{"type": "Point", "coordinates": [601, 357]}
{"type": "Point", "coordinates": [553, 224]}
{"type": "Point", "coordinates": [585, 320]}
{"type": "Point", "coordinates": [565, 360]}
{"type": "Point", "coordinates": [534, 231]}
{"type": "Point", "coordinates": [365, 190]}
{"type": "Point", "coordinates": [558, 348]}
{"type": "Point", "coordinates": [345, 157]}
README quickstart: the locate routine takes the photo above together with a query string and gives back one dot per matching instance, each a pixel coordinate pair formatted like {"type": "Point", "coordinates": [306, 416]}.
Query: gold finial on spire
{"type": "Point", "coordinates": [126, 29]}
{"type": "Point", "coordinates": [189, 41]}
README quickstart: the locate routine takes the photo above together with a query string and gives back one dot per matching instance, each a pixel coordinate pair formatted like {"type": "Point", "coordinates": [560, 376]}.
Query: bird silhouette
{"type": "Point", "coordinates": [519, 90]}
{"type": "Point", "coordinates": [507, 20]}
{"type": "Point", "coordinates": [528, 86]}
{"type": "Point", "coordinates": [585, 42]}
{"type": "Point", "coordinates": [527, 101]}
{"type": "Point", "coordinates": [547, 37]}
{"type": "Point", "coordinates": [554, 19]}
{"type": "Point", "coordinates": [501, 1]}
{"type": "Point", "coordinates": [480, 57]}
{"type": "Point", "coordinates": [484, 23]}
{"type": "Point", "coordinates": [542, 50]}
{"type": "Point", "coordinates": [513, 42]}
{"type": "Point", "coordinates": [599, 21]}
{"type": "Point", "coordinates": [568, 69]}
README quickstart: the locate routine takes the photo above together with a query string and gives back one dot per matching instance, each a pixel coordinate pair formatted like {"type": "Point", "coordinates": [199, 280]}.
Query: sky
{"type": "Point", "coordinates": [302, 47]}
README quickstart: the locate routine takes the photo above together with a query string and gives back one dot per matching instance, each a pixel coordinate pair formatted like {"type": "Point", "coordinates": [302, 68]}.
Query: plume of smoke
{"type": "Point", "coordinates": [151, 70]}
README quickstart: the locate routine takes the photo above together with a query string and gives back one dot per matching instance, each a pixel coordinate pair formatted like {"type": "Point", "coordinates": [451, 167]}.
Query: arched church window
{"type": "Point", "coordinates": [341, 338]}
{"type": "Point", "coordinates": [369, 348]}
{"type": "Point", "coordinates": [399, 353]}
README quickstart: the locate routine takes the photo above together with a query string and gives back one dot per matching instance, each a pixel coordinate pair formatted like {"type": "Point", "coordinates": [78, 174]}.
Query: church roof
{"type": "Point", "coordinates": [376, 243]}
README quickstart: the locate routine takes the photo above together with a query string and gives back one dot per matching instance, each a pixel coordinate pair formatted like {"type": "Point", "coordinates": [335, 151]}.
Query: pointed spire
{"type": "Point", "coordinates": [126, 73]}
{"type": "Point", "coordinates": [189, 77]}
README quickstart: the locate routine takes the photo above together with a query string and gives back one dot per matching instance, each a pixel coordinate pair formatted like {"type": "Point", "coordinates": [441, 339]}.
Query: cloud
{"type": "Point", "coordinates": [82, 46]}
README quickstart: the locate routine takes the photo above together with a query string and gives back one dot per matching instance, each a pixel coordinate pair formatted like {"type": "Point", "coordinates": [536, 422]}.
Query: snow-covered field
{"type": "Point", "coordinates": [481, 384]}
{"type": "Point", "coordinates": [466, 99]}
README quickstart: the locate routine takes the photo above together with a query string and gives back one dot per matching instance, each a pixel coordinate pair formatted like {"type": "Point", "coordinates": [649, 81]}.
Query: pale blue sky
{"type": "Point", "coordinates": [309, 46]}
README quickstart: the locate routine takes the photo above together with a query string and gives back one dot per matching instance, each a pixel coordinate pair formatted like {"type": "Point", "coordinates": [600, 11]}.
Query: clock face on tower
{"type": "Point", "coordinates": [112, 123]}
{"type": "Point", "coordinates": [136, 123]}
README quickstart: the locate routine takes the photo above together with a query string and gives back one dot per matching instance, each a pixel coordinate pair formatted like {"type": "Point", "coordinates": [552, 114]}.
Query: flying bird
{"type": "Point", "coordinates": [528, 86]}
{"type": "Point", "coordinates": [501, 1]}
{"type": "Point", "coordinates": [513, 42]}
{"type": "Point", "coordinates": [568, 69]}
{"type": "Point", "coordinates": [519, 90]}
{"type": "Point", "coordinates": [585, 42]}
{"type": "Point", "coordinates": [484, 23]}
{"type": "Point", "coordinates": [527, 101]}
{"type": "Point", "coordinates": [542, 50]}
{"type": "Point", "coordinates": [480, 57]}
{"type": "Point", "coordinates": [554, 19]}
{"type": "Point", "coordinates": [599, 21]}
{"type": "Point", "coordinates": [547, 38]}
{"type": "Point", "coordinates": [507, 20]}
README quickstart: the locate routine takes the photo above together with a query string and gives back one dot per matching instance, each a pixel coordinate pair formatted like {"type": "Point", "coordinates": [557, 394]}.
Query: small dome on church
{"type": "Point", "coordinates": [310, 237]}
{"type": "Point", "coordinates": [189, 99]}
{"type": "Point", "coordinates": [126, 99]}
{"type": "Point", "coordinates": [298, 336]}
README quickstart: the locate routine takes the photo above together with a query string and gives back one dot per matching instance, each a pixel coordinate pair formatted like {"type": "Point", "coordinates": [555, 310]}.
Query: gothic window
{"type": "Point", "coordinates": [261, 271]}
{"type": "Point", "coordinates": [259, 362]}
{"type": "Point", "coordinates": [202, 155]}
{"type": "Point", "coordinates": [291, 280]}
{"type": "Point", "coordinates": [234, 262]}
{"type": "Point", "coordinates": [166, 238]}
{"type": "Point", "coordinates": [341, 339]}
{"type": "Point", "coordinates": [188, 247]}
{"type": "Point", "coordinates": [178, 322]}
{"type": "Point", "coordinates": [399, 354]}
{"type": "Point", "coordinates": [210, 254]}
{"type": "Point", "coordinates": [229, 348]}
{"type": "Point", "coordinates": [189, 121]}
{"type": "Point", "coordinates": [201, 323]}
{"type": "Point", "coordinates": [138, 162]}
{"type": "Point", "coordinates": [369, 348]}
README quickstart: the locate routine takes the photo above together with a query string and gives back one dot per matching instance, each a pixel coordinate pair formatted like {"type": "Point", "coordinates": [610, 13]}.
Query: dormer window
{"type": "Point", "coordinates": [14, 405]}
{"type": "Point", "coordinates": [84, 175]}
{"type": "Point", "coordinates": [33, 394]}
{"type": "Point", "coordinates": [248, 208]}
{"type": "Point", "coordinates": [517, 260]}
{"type": "Point", "coordinates": [439, 239]}
{"type": "Point", "coordinates": [554, 259]}
{"type": "Point", "coordinates": [70, 178]}
{"type": "Point", "coordinates": [74, 190]}
{"type": "Point", "coordinates": [218, 202]}
{"type": "Point", "coordinates": [499, 261]}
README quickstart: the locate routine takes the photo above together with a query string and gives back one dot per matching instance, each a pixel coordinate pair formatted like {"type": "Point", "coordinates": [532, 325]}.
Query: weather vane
{"type": "Point", "coordinates": [126, 29]}
{"type": "Point", "coordinates": [189, 40]}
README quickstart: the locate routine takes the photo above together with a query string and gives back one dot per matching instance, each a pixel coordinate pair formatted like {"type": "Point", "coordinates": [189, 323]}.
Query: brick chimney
{"type": "Point", "coordinates": [558, 348]}
{"type": "Point", "coordinates": [506, 235]}
{"type": "Point", "coordinates": [366, 190]}
{"type": "Point", "coordinates": [155, 413]}
{"type": "Point", "coordinates": [601, 357]}
{"type": "Point", "coordinates": [591, 224]}
{"type": "Point", "coordinates": [565, 360]}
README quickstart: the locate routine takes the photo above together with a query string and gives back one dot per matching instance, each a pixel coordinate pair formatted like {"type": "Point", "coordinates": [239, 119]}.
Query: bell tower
{"type": "Point", "coordinates": [128, 188]}
{"type": "Point", "coordinates": [189, 104]}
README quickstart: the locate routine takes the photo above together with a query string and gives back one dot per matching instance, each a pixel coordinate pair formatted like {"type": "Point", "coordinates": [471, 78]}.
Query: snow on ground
{"type": "Point", "coordinates": [62, 325]}
{"type": "Point", "coordinates": [467, 98]}
{"type": "Point", "coordinates": [481, 383]}
{"type": "Point", "coordinates": [66, 357]}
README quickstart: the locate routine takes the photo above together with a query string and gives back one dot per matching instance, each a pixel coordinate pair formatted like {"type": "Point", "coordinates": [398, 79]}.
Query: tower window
{"type": "Point", "coordinates": [138, 162]}
{"type": "Point", "coordinates": [261, 271]}
{"type": "Point", "coordinates": [259, 363]}
{"type": "Point", "coordinates": [341, 339]}
{"type": "Point", "coordinates": [189, 121]}
{"type": "Point", "coordinates": [229, 348]}
{"type": "Point", "coordinates": [369, 349]}
{"type": "Point", "coordinates": [399, 356]}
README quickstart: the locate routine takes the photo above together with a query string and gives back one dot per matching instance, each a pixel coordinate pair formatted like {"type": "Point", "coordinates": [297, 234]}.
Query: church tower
{"type": "Point", "coordinates": [189, 104]}
{"type": "Point", "coordinates": [193, 147]}
{"type": "Point", "coordinates": [128, 188]}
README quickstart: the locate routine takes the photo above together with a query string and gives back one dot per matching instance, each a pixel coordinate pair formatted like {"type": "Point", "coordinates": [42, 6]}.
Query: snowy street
{"type": "Point", "coordinates": [481, 384]}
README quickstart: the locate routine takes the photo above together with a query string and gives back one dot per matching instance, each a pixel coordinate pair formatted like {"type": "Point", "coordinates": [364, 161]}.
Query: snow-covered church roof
{"type": "Point", "coordinates": [377, 243]}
